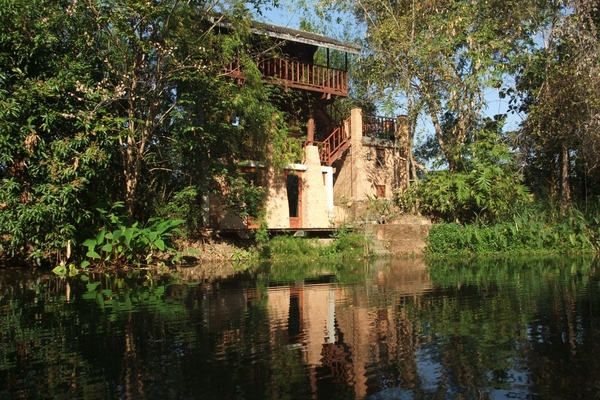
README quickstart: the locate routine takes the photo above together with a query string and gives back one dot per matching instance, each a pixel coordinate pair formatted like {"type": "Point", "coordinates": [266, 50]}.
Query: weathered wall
{"type": "Point", "coordinates": [361, 171]}
{"type": "Point", "coordinates": [401, 236]}
{"type": "Point", "coordinates": [276, 204]}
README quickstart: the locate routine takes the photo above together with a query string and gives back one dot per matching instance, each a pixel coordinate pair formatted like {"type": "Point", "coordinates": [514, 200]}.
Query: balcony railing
{"type": "Point", "coordinates": [379, 127]}
{"type": "Point", "coordinates": [296, 74]}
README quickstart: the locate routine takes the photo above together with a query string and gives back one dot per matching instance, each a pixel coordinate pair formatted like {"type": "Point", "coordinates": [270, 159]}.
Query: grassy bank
{"type": "Point", "coordinates": [544, 232]}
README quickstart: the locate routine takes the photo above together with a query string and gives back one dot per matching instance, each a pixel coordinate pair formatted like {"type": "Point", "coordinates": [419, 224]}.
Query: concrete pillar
{"type": "Point", "coordinates": [315, 213]}
{"type": "Point", "coordinates": [310, 134]}
{"type": "Point", "coordinates": [328, 176]}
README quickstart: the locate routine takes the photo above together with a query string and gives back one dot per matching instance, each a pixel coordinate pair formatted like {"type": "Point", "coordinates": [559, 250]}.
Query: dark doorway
{"type": "Point", "coordinates": [294, 195]}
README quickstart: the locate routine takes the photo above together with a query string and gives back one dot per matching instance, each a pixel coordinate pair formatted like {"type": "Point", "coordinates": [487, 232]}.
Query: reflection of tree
{"type": "Point", "coordinates": [563, 343]}
{"type": "Point", "coordinates": [482, 324]}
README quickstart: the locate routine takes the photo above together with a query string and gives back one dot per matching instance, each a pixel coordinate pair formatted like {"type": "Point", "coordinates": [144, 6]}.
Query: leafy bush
{"type": "Point", "coordinates": [485, 186]}
{"type": "Point", "coordinates": [347, 245]}
{"type": "Point", "coordinates": [39, 222]}
{"type": "Point", "coordinates": [120, 243]}
{"type": "Point", "coordinates": [184, 205]}
{"type": "Point", "coordinates": [537, 232]}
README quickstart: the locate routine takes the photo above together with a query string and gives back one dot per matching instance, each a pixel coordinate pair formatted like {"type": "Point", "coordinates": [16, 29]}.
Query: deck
{"type": "Point", "coordinates": [297, 75]}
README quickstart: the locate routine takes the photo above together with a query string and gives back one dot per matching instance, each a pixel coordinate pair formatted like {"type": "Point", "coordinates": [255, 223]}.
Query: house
{"type": "Point", "coordinates": [344, 164]}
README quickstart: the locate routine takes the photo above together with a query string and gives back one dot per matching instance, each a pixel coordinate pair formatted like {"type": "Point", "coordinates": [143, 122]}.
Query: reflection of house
{"type": "Point", "coordinates": [358, 338]}
{"type": "Point", "coordinates": [351, 337]}
{"type": "Point", "coordinates": [344, 161]}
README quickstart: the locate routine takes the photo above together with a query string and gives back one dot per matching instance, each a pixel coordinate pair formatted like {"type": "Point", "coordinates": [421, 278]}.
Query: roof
{"type": "Point", "coordinates": [298, 36]}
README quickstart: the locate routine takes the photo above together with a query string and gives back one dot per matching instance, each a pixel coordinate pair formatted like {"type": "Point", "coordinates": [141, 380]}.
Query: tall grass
{"type": "Point", "coordinates": [539, 231]}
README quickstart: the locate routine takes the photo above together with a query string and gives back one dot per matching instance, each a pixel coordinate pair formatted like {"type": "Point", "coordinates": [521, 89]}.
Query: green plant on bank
{"type": "Point", "coordinates": [262, 239]}
{"type": "Point", "coordinates": [120, 243]}
{"type": "Point", "coordinates": [379, 208]}
{"type": "Point", "coordinates": [541, 232]}
{"type": "Point", "coordinates": [346, 245]}
{"type": "Point", "coordinates": [245, 198]}
{"type": "Point", "coordinates": [349, 245]}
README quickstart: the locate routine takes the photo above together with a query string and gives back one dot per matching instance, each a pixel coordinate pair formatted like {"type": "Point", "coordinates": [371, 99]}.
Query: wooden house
{"type": "Point", "coordinates": [345, 163]}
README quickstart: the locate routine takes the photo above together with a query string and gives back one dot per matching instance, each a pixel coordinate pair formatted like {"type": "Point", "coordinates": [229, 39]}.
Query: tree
{"type": "Point", "coordinates": [560, 86]}
{"type": "Point", "coordinates": [119, 101]}
{"type": "Point", "coordinates": [438, 58]}
{"type": "Point", "coordinates": [485, 185]}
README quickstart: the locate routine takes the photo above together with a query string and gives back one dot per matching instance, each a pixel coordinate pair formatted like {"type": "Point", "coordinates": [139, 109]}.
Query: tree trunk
{"type": "Point", "coordinates": [565, 188]}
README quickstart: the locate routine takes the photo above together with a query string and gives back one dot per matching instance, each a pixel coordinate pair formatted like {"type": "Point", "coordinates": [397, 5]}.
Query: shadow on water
{"type": "Point", "coordinates": [395, 329]}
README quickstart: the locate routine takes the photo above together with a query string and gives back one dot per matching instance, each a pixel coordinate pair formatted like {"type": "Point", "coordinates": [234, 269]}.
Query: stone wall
{"type": "Point", "coordinates": [402, 236]}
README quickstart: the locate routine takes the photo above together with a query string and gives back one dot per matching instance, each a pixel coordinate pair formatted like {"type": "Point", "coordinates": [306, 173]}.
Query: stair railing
{"type": "Point", "coordinates": [335, 144]}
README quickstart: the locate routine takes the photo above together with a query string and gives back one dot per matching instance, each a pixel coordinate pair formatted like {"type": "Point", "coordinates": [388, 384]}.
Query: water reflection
{"type": "Point", "coordinates": [486, 329]}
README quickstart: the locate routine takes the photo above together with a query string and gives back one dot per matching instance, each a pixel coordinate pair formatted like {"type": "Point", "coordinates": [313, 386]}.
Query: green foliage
{"type": "Point", "coordinates": [119, 243]}
{"type": "Point", "coordinates": [245, 198]}
{"type": "Point", "coordinates": [122, 101]}
{"type": "Point", "coordinates": [184, 205]}
{"type": "Point", "coordinates": [559, 87]}
{"type": "Point", "coordinates": [346, 245]}
{"type": "Point", "coordinates": [484, 186]}
{"type": "Point", "coordinates": [262, 239]}
{"type": "Point", "coordinates": [533, 231]}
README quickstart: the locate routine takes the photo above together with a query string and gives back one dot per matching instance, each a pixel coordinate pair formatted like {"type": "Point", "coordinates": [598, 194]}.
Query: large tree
{"type": "Point", "coordinates": [119, 101]}
{"type": "Point", "coordinates": [438, 58]}
{"type": "Point", "coordinates": [560, 85]}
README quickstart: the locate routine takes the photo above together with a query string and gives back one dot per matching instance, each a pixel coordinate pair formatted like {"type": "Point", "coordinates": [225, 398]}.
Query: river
{"type": "Point", "coordinates": [393, 329]}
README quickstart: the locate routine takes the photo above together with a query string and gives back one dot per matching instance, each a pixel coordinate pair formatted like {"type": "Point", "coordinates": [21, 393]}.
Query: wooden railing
{"type": "Point", "coordinates": [379, 127]}
{"type": "Point", "coordinates": [298, 74]}
{"type": "Point", "coordinates": [339, 140]}
{"type": "Point", "coordinates": [335, 144]}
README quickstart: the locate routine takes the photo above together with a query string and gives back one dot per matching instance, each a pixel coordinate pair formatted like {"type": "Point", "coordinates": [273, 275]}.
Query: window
{"type": "Point", "coordinates": [380, 160]}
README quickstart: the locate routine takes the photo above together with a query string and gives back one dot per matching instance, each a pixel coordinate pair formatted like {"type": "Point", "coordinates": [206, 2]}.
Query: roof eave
{"type": "Point", "coordinates": [313, 42]}
{"type": "Point", "coordinates": [295, 35]}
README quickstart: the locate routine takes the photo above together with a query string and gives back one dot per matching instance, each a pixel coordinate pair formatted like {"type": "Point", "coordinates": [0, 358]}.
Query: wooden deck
{"type": "Point", "coordinates": [298, 75]}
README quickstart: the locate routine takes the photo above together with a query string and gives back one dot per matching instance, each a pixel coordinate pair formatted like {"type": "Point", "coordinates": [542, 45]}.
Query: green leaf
{"type": "Point", "coordinates": [91, 287]}
{"type": "Point", "coordinates": [73, 270]}
{"type": "Point", "coordinates": [90, 243]}
{"type": "Point", "coordinates": [128, 234]}
{"type": "Point", "coordinates": [100, 236]}
{"type": "Point", "coordinates": [117, 235]}
{"type": "Point", "coordinates": [160, 244]}
{"type": "Point", "coordinates": [61, 270]}
{"type": "Point", "coordinates": [92, 254]}
{"type": "Point", "coordinates": [107, 247]}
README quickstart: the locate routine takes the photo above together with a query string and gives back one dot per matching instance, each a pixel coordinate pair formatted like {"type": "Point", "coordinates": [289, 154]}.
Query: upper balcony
{"type": "Point", "coordinates": [298, 75]}
{"type": "Point", "coordinates": [296, 67]}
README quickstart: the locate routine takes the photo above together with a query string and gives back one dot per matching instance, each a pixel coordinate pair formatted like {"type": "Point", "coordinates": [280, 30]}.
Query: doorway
{"type": "Point", "coordinates": [293, 183]}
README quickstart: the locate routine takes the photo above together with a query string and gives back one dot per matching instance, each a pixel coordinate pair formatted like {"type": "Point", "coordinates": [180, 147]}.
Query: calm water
{"type": "Point", "coordinates": [394, 330]}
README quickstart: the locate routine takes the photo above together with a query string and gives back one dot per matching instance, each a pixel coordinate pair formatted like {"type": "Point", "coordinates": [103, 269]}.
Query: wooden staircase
{"type": "Point", "coordinates": [335, 144]}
